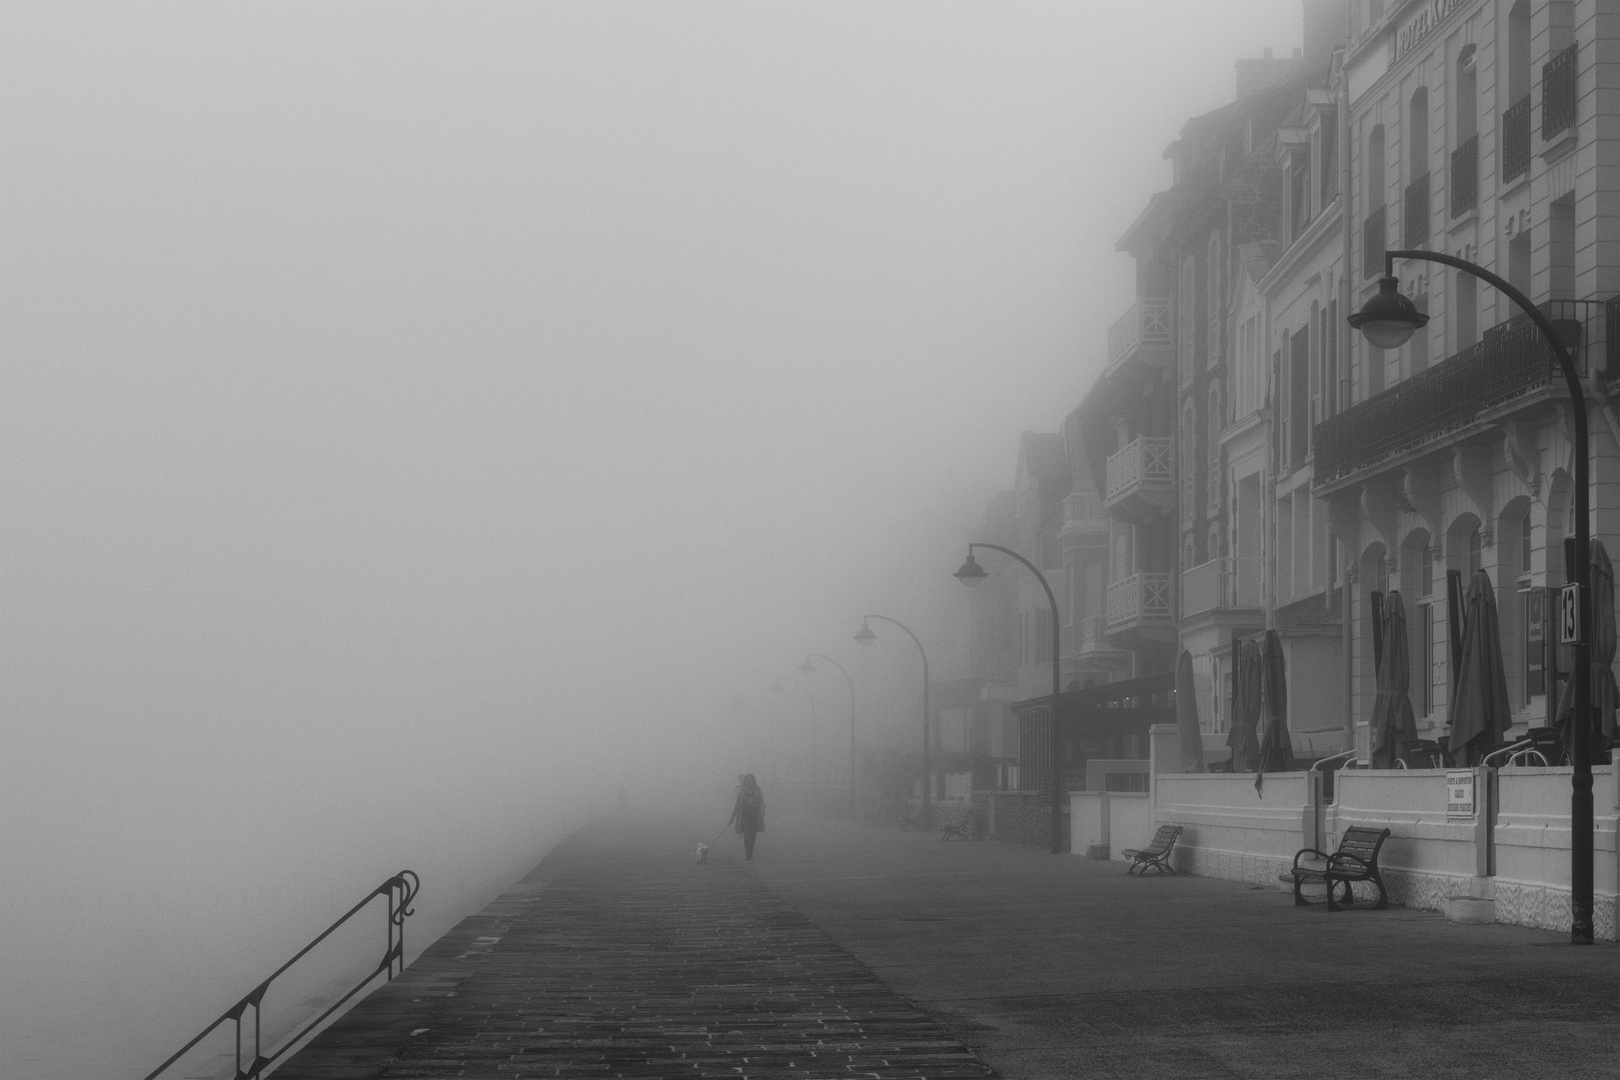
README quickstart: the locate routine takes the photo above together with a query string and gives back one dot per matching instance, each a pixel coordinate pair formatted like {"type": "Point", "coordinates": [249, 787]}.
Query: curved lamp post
{"type": "Point", "coordinates": [865, 636]}
{"type": "Point", "coordinates": [807, 669]}
{"type": "Point", "coordinates": [785, 681]}
{"type": "Point", "coordinates": [970, 574]}
{"type": "Point", "coordinates": [1387, 321]}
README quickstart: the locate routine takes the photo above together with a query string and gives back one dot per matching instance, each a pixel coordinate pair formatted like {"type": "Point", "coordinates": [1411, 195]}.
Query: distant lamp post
{"type": "Point", "coordinates": [971, 574]}
{"type": "Point", "coordinates": [1387, 321]}
{"type": "Point", "coordinates": [807, 669]}
{"type": "Point", "coordinates": [865, 636]}
{"type": "Point", "coordinates": [781, 683]}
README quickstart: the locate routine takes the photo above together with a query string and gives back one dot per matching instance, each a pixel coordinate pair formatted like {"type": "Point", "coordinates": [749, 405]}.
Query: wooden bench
{"type": "Point", "coordinates": [961, 828]}
{"type": "Point", "coordinates": [1157, 854]}
{"type": "Point", "coordinates": [1356, 860]}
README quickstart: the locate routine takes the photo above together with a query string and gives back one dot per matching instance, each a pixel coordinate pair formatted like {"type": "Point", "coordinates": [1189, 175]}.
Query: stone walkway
{"type": "Point", "coordinates": [621, 957]}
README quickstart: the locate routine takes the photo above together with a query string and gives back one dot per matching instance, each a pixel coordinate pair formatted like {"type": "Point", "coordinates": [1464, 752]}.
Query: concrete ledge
{"type": "Point", "coordinates": [1470, 909]}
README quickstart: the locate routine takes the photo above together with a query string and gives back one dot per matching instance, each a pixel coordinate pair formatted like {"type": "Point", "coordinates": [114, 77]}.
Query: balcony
{"type": "Point", "coordinates": [1505, 370]}
{"type": "Point", "coordinates": [1465, 177]}
{"type": "Point", "coordinates": [1142, 603]}
{"type": "Point", "coordinates": [1083, 512]}
{"type": "Point", "coordinates": [1516, 140]}
{"type": "Point", "coordinates": [1091, 637]}
{"type": "Point", "coordinates": [1223, 585]}
{"type": "Point", "coordinates": [1145, 332]}
{"type": "Point", "coordinates": [1558, 95]}
{"type": "Point", "coordinates": [1373, 243]}
{"type": "Point", "coordinates": [1141, 481]}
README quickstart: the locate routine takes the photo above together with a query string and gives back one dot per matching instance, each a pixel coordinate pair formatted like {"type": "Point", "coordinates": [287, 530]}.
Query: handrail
{"type": "Point", "coordinates": [407, 884]}
{"type": "Point", "coordinates": [1331, 757]}
{"type": "Point", "coordinates": [1522, 744]}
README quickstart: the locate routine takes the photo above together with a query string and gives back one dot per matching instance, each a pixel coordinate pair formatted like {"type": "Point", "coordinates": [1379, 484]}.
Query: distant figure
{"type": "Point", "coordinates": [748, 814]}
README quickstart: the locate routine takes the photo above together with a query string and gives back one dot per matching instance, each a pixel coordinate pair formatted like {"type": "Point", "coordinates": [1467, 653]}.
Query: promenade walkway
{"type": "Point", "coordinates": [844, 950]}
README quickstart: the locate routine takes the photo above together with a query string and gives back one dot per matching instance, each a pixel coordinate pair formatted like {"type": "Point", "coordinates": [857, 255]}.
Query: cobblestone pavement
{"type": "Point", "coordinates": [620, 956]}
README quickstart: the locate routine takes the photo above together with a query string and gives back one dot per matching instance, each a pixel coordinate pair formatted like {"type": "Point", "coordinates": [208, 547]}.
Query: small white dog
{"type": "Point", "coordinates": [703, 853]}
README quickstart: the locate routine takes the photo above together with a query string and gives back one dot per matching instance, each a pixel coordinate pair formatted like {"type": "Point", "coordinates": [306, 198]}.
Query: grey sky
{"type": "Point", "coordinates": [407, 398]}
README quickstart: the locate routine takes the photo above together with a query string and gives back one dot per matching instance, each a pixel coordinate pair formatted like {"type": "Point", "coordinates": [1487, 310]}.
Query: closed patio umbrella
{"type": "Point", "coordinates": [1604, 694]}
{"type": "Point", "coordinates": [1275, 750]}
{"type": "Point", "coordinates": [1392, 720]}
{"type": "Point", "coordinates": [1245, 707]}
{"type": "Point", "coordinates": [1192, 741]}
{"type": "Point", "coordinates": [1479, 712]}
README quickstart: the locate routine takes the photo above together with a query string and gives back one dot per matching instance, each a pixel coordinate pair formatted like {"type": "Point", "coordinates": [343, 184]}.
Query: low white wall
{"type": "Point", "coordinates": [1426, 858]}
{"type": "Point", "coordinates": [1088, 826]}
{"type": "Point", "coordinates": [1532, 849]}
{"type": "Point", "coordinates": [1115, 820]}
{"type": "Point", "coordinates": [1230, 830]}
{"type": "Point", "coordinates": [1513, 850]}
{"type": "Point", "coordinates": [1130, 821]}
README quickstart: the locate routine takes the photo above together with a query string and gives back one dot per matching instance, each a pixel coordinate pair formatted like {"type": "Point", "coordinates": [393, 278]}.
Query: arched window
{"type": "Point", "coordinates": [1217, 421]}
{"type": "Point", "coordinates": [1189, 462]}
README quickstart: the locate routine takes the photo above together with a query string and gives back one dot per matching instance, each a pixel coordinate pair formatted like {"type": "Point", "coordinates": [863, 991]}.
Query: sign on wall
{"type": "Point", "coordinates": [1569, 614]}
{"type": "Point", "coordinates": [1460, 794]}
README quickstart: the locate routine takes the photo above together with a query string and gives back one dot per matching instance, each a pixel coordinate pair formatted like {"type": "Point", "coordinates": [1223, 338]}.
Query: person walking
{"type": "Point", "coordinates": [748, 813]}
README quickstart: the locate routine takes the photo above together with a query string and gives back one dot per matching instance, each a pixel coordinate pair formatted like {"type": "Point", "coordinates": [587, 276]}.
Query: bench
{"type": "Point", "coordinates": [1356, 860]}
{"type": "Point", "coordinates": [961, 828]}
{"type": "Point", "coordinates": [1156, 855]}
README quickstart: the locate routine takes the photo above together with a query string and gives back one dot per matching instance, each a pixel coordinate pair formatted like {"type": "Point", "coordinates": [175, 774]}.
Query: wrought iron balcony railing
{"type": "Point", "coordinates": [1558, 94]}
{"type": "Point", "coordinates": [1510, 362]}
{"type": "Point", "coordinates": [1143, 463]}
{"type": "Point", "coordinates": [1516, 140]}
{"type": "Point", "coordinates": [1465, 177]}
{"type": "Point", "coordinates": [1415, 209]}
{"type": "Point", "coordinates": [1373, 243]}
{"type": "Point", "coordinates": [1223, 585]}
{"type": "Point", "coordinates": [1146, 325]}
{"type": "Point", "coordinates": [1139, 599]}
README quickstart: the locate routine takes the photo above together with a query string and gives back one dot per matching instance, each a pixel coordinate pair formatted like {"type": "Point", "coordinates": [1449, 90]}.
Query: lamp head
{"type": "Point", "coordinates": [971, 572]}
{"type": "Point", "coordinates": [1389, 319]}
{"type": "Point", "coordinates": [864, 635]}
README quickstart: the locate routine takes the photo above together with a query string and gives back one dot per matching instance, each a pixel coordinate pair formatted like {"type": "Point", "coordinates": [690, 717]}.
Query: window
{"type": "Point", "coordinates": [1425, 628]}
{"type": "Point", "coordinates": [1328, 156]}
{"type": "Point", "coordinates": [1426, 572]}
{"type": "Point", "coordinates": [1475, 553]}
{"type": "Point", "coordinates": [1524, 544]}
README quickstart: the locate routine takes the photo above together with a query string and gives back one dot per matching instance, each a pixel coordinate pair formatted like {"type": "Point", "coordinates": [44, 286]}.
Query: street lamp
{"type": "Point", "coordinates": [1387, 321]}
{"type": "Point", "coordinates": [783, 681]}
{"type": "Point", "coordinates": [807, 669]}
{"type": "Point", "coordinates": [865, 636]}
{"type": "Point", "coordinates": [971, 574]}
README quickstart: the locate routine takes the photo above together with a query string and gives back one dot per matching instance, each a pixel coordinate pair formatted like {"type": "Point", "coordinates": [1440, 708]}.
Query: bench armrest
{"type": "Point", "coordinates": [1324, 856]}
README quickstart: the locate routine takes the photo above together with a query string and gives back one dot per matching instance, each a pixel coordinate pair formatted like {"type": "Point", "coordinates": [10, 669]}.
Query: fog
{"type": "Point", "coordinates": [422, 421]}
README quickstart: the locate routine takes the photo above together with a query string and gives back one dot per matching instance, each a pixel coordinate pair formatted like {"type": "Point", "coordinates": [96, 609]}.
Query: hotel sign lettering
{"type": "Point", "coordinates": [1423, 22]}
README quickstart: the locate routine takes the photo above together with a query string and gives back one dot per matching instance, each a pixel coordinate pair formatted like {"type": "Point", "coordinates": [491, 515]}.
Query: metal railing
{"type": "Point", "coordinates": [1509, 362]}
{"type": "Point", "coordinates": [1558, 94]}
{"type": "Point", "coordinates": [1516, 140]}
{"type": "Point", "coordinates": [1146, 324]}
{"type": "Point", "coordinates": [1140, 598]}
{"type": "Point", "coordinates": [1142, 462]}
{"type": "Point", "coordinates": [1465, 177]}
{"type": "Point", "coordinates": [1373, 244]}
{"type": "Point", "coordinates": [1415, 208]}
{"type": "Point", "coordinates": [404, 884]}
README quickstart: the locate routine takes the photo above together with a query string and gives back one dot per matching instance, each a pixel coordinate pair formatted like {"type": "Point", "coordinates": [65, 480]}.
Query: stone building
{"type": "Point", "coordinates": [1480, 129]}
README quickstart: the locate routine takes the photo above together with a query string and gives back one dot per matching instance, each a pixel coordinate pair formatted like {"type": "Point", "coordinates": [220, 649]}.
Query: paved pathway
{"type": "Point", "coordinates": [621, 957]}
{"type": "Point", "coordinates": [851, 951]}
